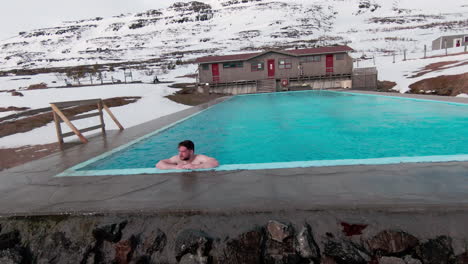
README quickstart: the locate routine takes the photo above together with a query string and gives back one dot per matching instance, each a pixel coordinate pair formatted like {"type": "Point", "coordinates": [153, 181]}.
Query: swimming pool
{"type": "Point", "coordinates": [301, 129]}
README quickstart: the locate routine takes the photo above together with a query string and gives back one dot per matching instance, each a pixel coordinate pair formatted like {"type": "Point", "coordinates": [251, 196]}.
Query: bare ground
{"type": "Point", "coordinates": [448, 85]}
{"type": "Point", "coordinates": [13, 108]}
{"type": "Point", "coordinates": [385, 86]}
{"type": "Point", "coordinates": [188, 96]}
{"type": "Point", "coordinates": [432, 67]}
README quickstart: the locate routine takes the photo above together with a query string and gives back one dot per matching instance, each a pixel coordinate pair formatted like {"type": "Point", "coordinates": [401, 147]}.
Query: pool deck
{"type": "Point", "coordinates": [32, 189]}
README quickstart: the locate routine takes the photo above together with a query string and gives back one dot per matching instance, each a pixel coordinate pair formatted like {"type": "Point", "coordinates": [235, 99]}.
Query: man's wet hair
{"type": "Point", "coordinates": [188, 144]}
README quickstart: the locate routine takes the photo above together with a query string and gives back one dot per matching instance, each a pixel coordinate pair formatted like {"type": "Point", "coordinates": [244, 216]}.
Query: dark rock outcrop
{"type": "Point", "coordinates": [436, 251]}
{"type": "Point", "coordinates": [9, 240]}
{"type": "Point", "coordinates": [392, 243]}
{"type": "Point", "coordinates": [345, 252]}
{"type": "Point", "coordinates": [246, 248]}
{"type": "Point", "coordinates": [278, 231]}
{"type": "Point", "coordinates": [305, 244]}
{"type": "Point", "coordinates": [110, 233]}
{"type": "Point", "coordinates": [194, 243]}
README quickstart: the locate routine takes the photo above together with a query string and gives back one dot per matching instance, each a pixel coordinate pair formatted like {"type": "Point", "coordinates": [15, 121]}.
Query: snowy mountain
{"type": "Point", "coordinates": [185, 31]}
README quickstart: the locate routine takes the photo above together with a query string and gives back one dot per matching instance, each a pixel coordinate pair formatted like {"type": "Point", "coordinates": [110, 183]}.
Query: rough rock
{"type": "Point", "coordinates": [280, 244]}
{"type": "Point", "coordinates": [279, 231]}
{"type": "Point", "coordinates": [9, 240]}
{"type": "Point", "coordinates": [462, 258]}
{"type": "Point", "coordinates": [410, 260]}
{"type": "Point", "coordinates": [193, 259]}
{"type": "Point", "coordinates": [194, 242]}
{"type": "Point", "coordinates": [156, 242]}
{"type": "Point", "coordinates": [305, 244]}
{"type": "Point", "coordinates": [11, 256]}
{"type": "Point", "coordinates": [246, 248]}
{"type": "Point", "coordinates": [57, 247]}
{"type": "Point", "coordinates": [327, 260]}
{"type": "Point", "coordinates": [143, 260]}
{"type": "Point", "coordinates": [436, 251]}
{"type": "Point", "coordinates": [391, 242]}
{"type": "Point", "coordinates": [110, 233]}
{"type": "Point", "coordinates": [280, 253]}
{"type": "Point", "coordinates": [391, 260]}
{"type": "Point", "coordinates": [123, 251]}
{"type": "Point", "coordinates": [345, 252]}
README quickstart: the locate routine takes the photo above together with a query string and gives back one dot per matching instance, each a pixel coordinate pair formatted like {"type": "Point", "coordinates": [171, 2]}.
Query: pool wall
{"type": "Point", "coordinates": [319, 236]}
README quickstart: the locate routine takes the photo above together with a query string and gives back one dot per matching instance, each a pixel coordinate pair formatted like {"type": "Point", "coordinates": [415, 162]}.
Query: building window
{"type": "Point", "coordinates": [205, 67]}
{"type": "Point", "coordinates": [257, 66]}
{"type": "Point", "coordinates": [311, 58]}
{"type": "Point", "coordinates": [284, 64]}
{"type": "Point", "coordinates": [236, 64]}
{"type": "Point", "coordinates": [339, 56]}
{"type": "Point", "coordinates": [466, 38]}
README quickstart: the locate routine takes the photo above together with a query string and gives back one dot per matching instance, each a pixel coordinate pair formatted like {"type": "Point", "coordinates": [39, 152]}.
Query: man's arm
{"type": "Point", "coordinates": [206, 163]}
{"type": "Point", "coordinates": [167, 164]}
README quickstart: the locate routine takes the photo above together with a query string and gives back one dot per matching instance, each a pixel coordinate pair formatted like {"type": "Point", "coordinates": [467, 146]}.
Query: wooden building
{"type": "Point", "coordinates": [275, 70]}
{"type": "Point", "coordinates": [450, 42]}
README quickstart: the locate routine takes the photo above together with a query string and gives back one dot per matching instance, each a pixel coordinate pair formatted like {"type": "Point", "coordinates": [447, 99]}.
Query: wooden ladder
{"type": "Point", "coordinates": [60, 117]}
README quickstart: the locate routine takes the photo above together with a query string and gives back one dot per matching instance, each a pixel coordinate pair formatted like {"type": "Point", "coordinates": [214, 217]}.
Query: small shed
{"type": "Point", "coordinates": [452, 41]}
{"type": "Point", "coordinates": [365, 78]}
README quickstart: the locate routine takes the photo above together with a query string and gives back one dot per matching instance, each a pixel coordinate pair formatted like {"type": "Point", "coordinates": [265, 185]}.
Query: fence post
{"type": "Point", "coordinates": [404, 55]}
{"type": "Point", "coordinates": [393, 57]}
{"type": "Point", "coordinates": [445, 43]}
{"type": "Point", "coordinates": [425, 50]}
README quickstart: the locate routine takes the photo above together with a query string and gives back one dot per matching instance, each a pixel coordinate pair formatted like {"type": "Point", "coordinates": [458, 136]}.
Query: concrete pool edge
{"type": "Point", "coordinates": [275, 165]}
{"type": "Point", "coordinates": [32, 189]}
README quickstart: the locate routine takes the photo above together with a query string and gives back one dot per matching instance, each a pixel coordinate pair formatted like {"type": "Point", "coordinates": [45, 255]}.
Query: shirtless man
{"type": "Point", "coordinates": [187, 159]}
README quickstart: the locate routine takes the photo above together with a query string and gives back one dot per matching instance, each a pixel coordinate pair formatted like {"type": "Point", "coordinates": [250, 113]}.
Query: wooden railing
{"type": "Point", "coordinates": [60, 117]}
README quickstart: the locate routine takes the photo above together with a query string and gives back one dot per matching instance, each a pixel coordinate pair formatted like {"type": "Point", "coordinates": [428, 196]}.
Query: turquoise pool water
{"type": "Point", "coordinates": [309, 128]}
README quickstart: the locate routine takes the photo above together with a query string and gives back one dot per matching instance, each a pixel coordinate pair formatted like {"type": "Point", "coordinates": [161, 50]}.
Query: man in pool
{"type": "Point", "coordinates": [187, 159]}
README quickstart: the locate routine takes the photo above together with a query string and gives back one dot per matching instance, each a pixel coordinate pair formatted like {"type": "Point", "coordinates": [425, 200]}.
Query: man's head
{"type": "Point", "coordinates": [186, 149]}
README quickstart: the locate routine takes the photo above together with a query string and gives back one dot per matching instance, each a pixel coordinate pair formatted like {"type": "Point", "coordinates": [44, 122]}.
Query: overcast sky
{"type": "Point", "coordinates": [23, 15]}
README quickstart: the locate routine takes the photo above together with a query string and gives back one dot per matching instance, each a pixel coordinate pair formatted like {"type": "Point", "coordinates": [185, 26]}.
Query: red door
{"type": "Point", "coordinates": [271, 68]}
{"type": "Point", "coordinates": [215, 71]}
{"type": "Point", "coordinates": [329, 64]}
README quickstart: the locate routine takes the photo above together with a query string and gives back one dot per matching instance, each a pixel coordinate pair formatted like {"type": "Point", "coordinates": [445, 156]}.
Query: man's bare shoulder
{"type": "Point", "coordinates": [201, 157]}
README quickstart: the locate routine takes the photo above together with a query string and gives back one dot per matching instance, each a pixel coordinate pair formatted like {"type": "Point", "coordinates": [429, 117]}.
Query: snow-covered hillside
{"type": "Point", "coordinates": [185, 31]}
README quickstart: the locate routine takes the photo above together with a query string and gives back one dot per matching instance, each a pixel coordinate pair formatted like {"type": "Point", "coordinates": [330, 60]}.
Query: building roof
{"type": "Point", "coordinates": [451, 36]}
{"type": "Point", "coordinates": [293, 52]}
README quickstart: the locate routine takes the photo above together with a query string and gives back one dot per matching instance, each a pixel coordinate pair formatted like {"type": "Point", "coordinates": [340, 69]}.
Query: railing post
{"type": "Point", "coordinates": [101, 117]}
{"type": "Point", "coordinates": [58, 128]}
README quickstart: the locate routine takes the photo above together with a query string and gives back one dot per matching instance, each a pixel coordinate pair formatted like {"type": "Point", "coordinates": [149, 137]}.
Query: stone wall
{"type": "Point", "coordinates": [321, 236]}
